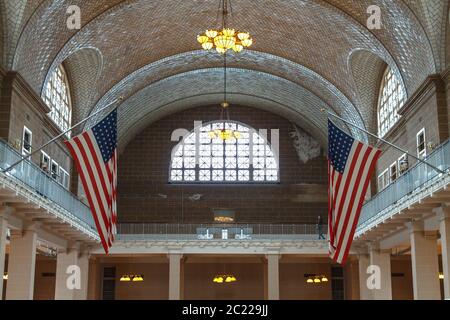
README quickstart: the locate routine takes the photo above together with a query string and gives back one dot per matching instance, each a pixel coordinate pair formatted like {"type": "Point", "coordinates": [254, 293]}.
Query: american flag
{"type": "Point", "coordinates": [350, 167]}
{"type": "Point", "coordinates": [95, 154]}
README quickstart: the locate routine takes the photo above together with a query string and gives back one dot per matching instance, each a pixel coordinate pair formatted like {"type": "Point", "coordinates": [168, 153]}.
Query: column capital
{"type": "Point", "coordinates": [443, 212]}
{"type": "Point", "coordinates": [415, 226]}
{"type": "Point", "coordinates": [32, 226]}
{"type": "Point", "coordinates": [6, 211]}
{"type": "Point", "coordinates": [361, 247]}
{"type": "Point", "coordinates": [175, 254]}
{"type": "Point", "coordinates": [71, 246]}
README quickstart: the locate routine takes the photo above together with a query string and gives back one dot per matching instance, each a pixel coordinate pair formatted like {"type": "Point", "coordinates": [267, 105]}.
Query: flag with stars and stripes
{"type": "Point", "coordinates": [350, 167]}
{"type": "Point", "coordinates": [95, 154]}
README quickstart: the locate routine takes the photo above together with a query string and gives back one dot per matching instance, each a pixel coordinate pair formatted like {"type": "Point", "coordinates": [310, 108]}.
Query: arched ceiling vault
{"type": "Point", "coordinates": [291, 36]}
{"type": "Point", "coordinates": [235, 99]}
{"type": "Point", "coordinates": [203, 82]}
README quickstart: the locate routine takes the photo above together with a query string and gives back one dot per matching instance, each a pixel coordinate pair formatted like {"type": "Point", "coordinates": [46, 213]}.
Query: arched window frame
{"type": "Point", "coordinates": [57, 96]}
{"type": "Point", "coordinates": [258, 141]}
{"type": "Point", "coordinates": [391, 98]}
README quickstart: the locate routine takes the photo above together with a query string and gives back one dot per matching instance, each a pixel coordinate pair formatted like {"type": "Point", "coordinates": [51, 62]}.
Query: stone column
{"type": "Point", "coordinates": [83, 263]}
{"type": "Point", "coordinates": [273, 277]}
{"type": "Point", "coordinates": [425, 263]}
{"type": "Point", "coordinates": [22, 264]}
{"type": "Point", "coordinates": [363, 263]}
{"type": "Point", "coordinates": [382, 259]}
{"type": "Point", "coordinates": [4, 214]}
{"type": "Point", "coordinates": [175, 276]}
{"type": "Point", "coordinates": [65, 260]}
{"type": "Point", "coordinates": [444, 228]}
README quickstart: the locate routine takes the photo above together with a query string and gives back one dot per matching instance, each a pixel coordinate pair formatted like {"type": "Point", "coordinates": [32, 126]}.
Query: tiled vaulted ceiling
{"type": "Point", "coordinates": [141, 48]}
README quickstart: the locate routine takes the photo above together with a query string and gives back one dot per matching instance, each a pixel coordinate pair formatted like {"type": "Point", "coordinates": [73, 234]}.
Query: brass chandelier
{"type": "Point", "coordinates": [225, 38]}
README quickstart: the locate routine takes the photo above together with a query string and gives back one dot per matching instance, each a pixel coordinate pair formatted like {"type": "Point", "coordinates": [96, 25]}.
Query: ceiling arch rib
{"type": "Point", "coordinates": [209, 81]}
{"type": "Point", "coordinates": [401, 33]}
{"type": "Point", "coordinates": [83, 68]}
{"type": "Point", "coordinates": [433, 16]}
{"type": "Point", "coordinates": [235, 100]}
{"type": "Point", "coordinates": [252, 60]}
{"type": "Point", "coordinates": [367, 69]}
{"type": "Point", "coordinates": [130, 36]}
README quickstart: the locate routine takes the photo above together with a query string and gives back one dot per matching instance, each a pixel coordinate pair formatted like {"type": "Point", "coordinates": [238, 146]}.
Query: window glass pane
{"type": "Point", "coordinates": [56, 96]}
{"type": "Point", "coordinates": [390, 101]}
{"type": "Point", "coordinates": [245, 159]}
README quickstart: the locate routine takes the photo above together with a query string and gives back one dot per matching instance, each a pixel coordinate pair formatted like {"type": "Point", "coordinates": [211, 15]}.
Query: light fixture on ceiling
{"type": "Point", "coordinates": [5, 276]}
{"type": "Point", "coordinates": [224, 278]}
{"type": "Point", "coordinates": [224, 133]}
{"type": "Point", "coordinates": [223, 215]}
{"type": "Point", "coordinates": [125, 278]}
{"type": "Point", "coordinates": [132, 278]}
{"type": "Point", "coordinates": [138, 278]}
{"type": "Point", "coordinates": [441, 275]}
{"type": "Point", "coordinates": [315, 279]}
{"type": "Point", "coordinates": [225, 38]}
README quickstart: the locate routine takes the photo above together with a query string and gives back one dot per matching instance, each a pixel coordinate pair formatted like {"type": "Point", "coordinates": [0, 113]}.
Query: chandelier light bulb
{"type": "Point", "coordinates": [238, 47]}
{"type": "Point", "coordinates": [207, 45]}
{"type": "Point", "coordinates": [243, 35]}
{"type": "Point", "coordinates": [220, 50]}
{"type": "Point", "coordinates": [202, 39]}
{"type": "Point", "coordinates": [247, 42]}
{"type": "Point", "coordinates": [211, 33]}
{"type": "Point", "coordinates": [228, 32]}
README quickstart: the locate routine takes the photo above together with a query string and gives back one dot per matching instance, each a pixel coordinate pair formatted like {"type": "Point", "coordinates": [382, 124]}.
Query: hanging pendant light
{"type": "Point", "coordinates": [224, 133]}
{"type": "Point", "coordinates": [225, 38]}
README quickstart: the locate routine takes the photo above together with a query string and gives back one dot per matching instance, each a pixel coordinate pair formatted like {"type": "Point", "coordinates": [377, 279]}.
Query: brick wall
{"type": "Point", "coordinates": [20, 106]}
{"type": "Point", "coordinates": [427, 109]}
{"type": "Point", "coordinates": [144, 166]}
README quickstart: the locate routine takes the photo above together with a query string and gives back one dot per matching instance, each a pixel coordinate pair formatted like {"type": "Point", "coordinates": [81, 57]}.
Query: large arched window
{"type": "Point", "coordinates": [392, 97]}
{"type": "Point", "coordinates": [57, 97]}
{"type": "Point", "coordinates": [202, 159]}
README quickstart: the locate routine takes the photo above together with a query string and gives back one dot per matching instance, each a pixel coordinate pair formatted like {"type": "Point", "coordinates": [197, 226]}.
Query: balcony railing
{"type": "Point", "coordinates": [29, 174]}
{"type": "Point", "coordinates": [178, 231]}
{"type": "Point", "coordinates": [419, 176]}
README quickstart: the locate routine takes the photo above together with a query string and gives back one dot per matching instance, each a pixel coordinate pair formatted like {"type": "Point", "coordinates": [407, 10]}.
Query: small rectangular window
{"type": "Point", "coordinates": [27, 140]}
{"type": "Point", "coordinates": [393, 172]}
{"type": "Point", "coordinates": [402, 164]}
{"type": "Point", "coordinates": [64, 178]}
{"type": "Point", "coordinates": [421, 144]}
{"type": "Point", "coordinates": [54, 170]}
{"type": "Point", "coordinates": [383, 180]}
{"type": "Point", "coordinates": [45, 162]}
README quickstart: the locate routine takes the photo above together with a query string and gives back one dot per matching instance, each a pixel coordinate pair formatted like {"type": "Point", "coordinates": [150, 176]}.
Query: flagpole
{"type": "Point", "coordinates": [60, 135]}
{"type": "Point", "coordinates": [383, 140]}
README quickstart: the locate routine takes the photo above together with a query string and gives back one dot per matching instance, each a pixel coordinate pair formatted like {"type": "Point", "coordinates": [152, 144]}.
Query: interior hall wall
{"type": "Point", "coordinates": [44, 279]}
{"type": "Point", "coordinates": [293, 284]}
{"type": "Point", "coordinates": [426, 109]}
{"type": "Point", "coordinates": [198, 284]}
{"type": "Point", "coordinates": [146, 196]}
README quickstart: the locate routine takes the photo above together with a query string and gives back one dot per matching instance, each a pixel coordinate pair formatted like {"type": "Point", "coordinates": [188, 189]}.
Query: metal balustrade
{"type": "Point", "coordinates": [30, 175]}
{"type": "Point", "coordinates": [179, 231]}
{"type": "Point", "coordinates": [418, 177]}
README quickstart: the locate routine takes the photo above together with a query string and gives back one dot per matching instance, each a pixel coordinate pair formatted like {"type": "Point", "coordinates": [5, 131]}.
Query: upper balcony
{"type": "Point", "coordinates": [34, 193]}
{"type": "Point", "coordinates": [419, 184]}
